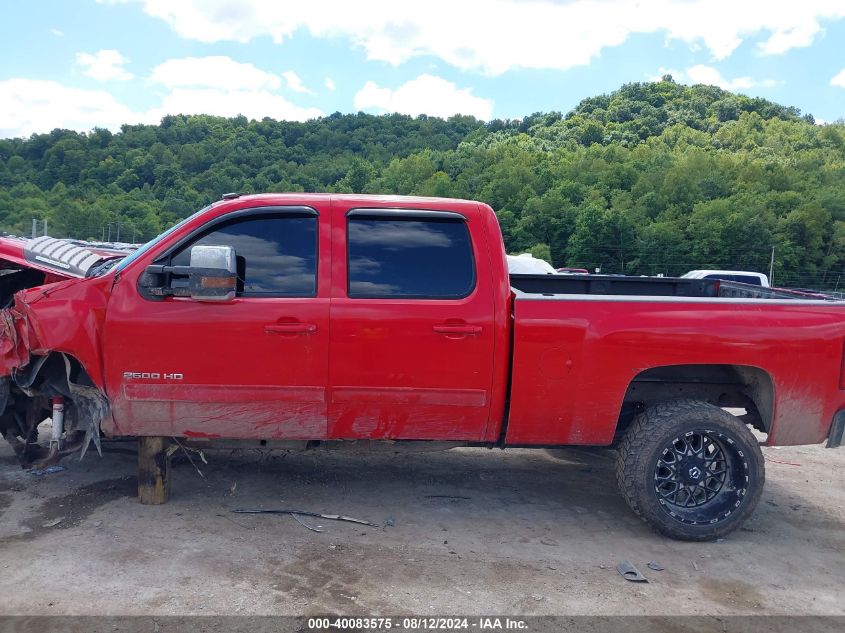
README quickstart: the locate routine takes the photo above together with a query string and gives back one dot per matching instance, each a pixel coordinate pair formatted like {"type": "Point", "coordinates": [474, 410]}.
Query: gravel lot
{"type": "Point", "coordinates": [466, 531]}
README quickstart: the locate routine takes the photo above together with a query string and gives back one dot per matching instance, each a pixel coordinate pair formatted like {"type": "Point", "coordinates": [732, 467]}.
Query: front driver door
{"type": "Point", "coordinates": [253, 367]}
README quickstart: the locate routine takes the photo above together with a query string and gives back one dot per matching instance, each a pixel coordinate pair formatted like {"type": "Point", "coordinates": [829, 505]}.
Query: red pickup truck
{"type": "Point", "coordinates": [301, 319]}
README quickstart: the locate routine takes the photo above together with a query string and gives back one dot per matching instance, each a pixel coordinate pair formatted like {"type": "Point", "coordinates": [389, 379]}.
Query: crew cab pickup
{"type": "Point", "coordinates": [303, 319]}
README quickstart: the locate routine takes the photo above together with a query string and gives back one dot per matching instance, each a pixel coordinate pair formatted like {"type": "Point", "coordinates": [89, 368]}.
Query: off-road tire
{"type": "Point", "coordinates": [653, 435]}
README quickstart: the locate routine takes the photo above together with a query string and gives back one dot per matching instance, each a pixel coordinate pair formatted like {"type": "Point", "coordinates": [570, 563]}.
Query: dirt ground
{"type": "Point", "coordinates": [466, 531]}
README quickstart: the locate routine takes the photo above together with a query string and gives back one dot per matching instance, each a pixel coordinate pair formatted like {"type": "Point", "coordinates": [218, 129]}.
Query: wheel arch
{"type": "Point", "coordinates": [724, 385]}
{"type": "Point", "coordinates": [53, 372]}
{"type": "Point", "coordinates": [26, 400]}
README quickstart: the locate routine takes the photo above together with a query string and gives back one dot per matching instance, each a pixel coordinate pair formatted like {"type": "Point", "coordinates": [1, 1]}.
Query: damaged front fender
{"type": "Point", "coordinates": [49, 342]}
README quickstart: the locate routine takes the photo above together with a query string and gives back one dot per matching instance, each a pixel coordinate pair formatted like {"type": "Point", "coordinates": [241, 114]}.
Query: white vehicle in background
{"type": "Point", "coordinates": [742, 276]}
{"type": "Point", "coordinates": [527, 264]}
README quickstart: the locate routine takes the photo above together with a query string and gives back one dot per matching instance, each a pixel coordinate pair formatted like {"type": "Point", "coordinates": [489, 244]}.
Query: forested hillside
{"type": "Point", "coordinates": [653, 178]}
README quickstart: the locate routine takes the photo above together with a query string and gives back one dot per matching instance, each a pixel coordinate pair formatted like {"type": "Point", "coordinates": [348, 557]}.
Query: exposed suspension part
{"type": "Point", "coordinates": [58, 421]}
{"type": "Point", "coordinates": [54, 387]}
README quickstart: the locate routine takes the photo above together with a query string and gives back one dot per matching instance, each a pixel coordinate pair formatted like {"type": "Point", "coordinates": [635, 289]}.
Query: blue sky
{"type": "Point", "coordinates": [87, 63]}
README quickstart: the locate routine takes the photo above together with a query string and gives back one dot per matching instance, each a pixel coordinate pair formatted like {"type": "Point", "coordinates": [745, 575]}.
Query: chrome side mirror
{"type": "Point", "coordinates": [212, 274]}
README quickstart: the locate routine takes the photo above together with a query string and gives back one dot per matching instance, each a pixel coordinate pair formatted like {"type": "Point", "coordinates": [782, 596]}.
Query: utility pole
{"type": "Point", "coordinates": [45, 227]}
{"type": "Point", "coordinates": [118, 232]}
{"type": "Point", "coordinates": [772, 268]}
{"type": "Point", "coordinates": [109, 232]}
{"type": "Point", "coordinates": [34, 227]}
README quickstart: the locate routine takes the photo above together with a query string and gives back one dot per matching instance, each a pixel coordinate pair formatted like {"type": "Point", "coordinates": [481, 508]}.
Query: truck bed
{"type": "Point", "coordinates": [578, 350]}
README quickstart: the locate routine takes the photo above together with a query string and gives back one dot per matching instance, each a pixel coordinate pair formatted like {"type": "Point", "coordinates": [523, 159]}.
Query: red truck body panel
{"type": "Point", "coordinates": [394, 368]}
{"type": "Point", "coordinates": [392, 376]}
{"type": "Point", "coordinates": [574, 360]}
{"type": "Point", "coordinates": [371, 369]}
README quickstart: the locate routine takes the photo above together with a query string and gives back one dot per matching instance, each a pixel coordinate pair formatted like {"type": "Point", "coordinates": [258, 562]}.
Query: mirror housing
{"type": "Point", "coordinates": [212, 274]}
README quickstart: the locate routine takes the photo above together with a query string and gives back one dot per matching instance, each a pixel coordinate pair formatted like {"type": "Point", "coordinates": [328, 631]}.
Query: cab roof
{"type": "Point", "coordinates": [352, 199]}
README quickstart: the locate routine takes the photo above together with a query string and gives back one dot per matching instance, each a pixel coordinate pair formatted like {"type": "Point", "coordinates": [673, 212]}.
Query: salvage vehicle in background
{"type": "Point", "coordinates": [527, 264]}
{"type": "Point", "coordinates": [301, 320]}
{"type": "Point", "coordinates": [742, 276]}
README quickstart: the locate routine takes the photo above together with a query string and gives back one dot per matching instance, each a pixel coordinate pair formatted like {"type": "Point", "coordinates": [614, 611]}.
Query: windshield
{"type": "Point", "coordinates": [131, 258]}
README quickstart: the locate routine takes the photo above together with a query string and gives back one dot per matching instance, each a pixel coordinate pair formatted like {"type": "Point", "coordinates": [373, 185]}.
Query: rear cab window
{"type": "Point", "coordinates": [393, 254]}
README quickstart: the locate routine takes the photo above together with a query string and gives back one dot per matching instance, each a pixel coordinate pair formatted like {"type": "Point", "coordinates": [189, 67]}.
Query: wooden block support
{"type": "Point", "coordinates": [153, 470]}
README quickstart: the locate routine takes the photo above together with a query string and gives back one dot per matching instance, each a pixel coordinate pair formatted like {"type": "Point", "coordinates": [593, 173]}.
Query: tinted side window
{"type": "Point", "coordinates": [409, 258]}
{"type": "Point", "coordinates": [277, 255]}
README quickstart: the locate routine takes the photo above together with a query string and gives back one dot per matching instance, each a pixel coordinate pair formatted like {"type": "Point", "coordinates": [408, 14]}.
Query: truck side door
{"type": "Point", "coordinates": [252, 367]}
{"type": "Point", "coordinates": [412, 325]}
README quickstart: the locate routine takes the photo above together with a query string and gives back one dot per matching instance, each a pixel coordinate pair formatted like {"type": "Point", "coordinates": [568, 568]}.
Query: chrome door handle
{"type": "Point", "coordinates": [290, 328]}
{"type": "Point", "coordinates": [456, 328]}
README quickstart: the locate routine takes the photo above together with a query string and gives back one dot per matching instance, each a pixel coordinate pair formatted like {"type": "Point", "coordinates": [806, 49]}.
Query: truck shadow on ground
{"type": "Point", "coordinates": [560, 485]}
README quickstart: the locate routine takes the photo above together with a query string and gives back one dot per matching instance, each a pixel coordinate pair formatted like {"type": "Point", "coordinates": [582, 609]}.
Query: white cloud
{"type": "Point", "coordinates": [701, 74]}
{"type": "Point", "coordinates": [56, 32]}
{"type": "Point", "coordinates": [838, 79]}
{"type": "Point", "coordinates": [426, 94]}
{"type": "Point", "coordinates": [494, 36]}
{"type": "Point", "coordinates": [253, 104]}
{"type": "Point", "coordinates": [294, 82]}
{"type": "Point", "coordinates": [221, 86]}
{"type": "Point", "coordinates": [104, 65]}
{"type": "Point", "coordinates": [216, 71]}
{"type": "Point", "coordinates": [800, 35]}
{"type": "Point", "coordinates": [218, 85]}
{"type": "Point", "coordinates": [329, 83]}
{"type": "Point", "coordinates": [30, 105]}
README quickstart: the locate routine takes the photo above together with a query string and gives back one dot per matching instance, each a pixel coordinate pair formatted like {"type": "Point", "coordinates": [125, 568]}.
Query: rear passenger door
{"type": "Point", "coordinates": [411, 326]}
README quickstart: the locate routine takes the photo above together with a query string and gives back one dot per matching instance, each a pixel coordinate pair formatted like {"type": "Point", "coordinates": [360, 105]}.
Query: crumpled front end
{"type": "Point", "coordinates": [15, 341]}
{"type": "Point", "coordinates": [39, 383]}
